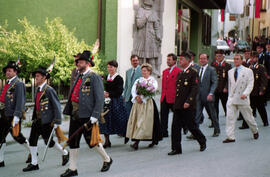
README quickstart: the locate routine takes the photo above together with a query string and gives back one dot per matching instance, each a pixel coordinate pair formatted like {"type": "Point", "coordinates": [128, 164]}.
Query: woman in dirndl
{"type": "Point", "coordinates": [115, 121]}
{"type": "Point", "coordinates": [144, 123]}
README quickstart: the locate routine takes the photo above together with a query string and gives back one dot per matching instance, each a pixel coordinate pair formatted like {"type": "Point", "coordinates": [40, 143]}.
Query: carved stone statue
{"type": "Point", "coordinates": [147, 38]}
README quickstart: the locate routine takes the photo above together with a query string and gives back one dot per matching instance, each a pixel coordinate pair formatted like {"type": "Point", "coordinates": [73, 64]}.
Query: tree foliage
{"type": "Point", "coordinates": [38, 45]}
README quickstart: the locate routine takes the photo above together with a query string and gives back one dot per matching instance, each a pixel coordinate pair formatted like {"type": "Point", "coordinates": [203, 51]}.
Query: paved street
{"type": "Point", "coordinates": [245, 158]}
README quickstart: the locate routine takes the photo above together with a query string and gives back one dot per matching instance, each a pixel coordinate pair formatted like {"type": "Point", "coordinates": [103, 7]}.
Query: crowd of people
{"type": "Point", "coordinates": [127, 109]}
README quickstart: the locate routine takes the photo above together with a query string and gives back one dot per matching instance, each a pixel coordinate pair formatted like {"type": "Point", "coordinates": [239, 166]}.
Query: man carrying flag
{"type": "Point", "coordinates": [46, 118]}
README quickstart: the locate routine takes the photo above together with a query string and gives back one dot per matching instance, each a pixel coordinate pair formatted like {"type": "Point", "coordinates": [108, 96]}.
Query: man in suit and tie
{"type": "Point", "coordinates": [168, 91]}
{"type": "Point", "coordinates": [240, 85]}
{"type": "Point", "coordinates": [205, 98]}
{"type": "Point", "coordinates": [132, 75]}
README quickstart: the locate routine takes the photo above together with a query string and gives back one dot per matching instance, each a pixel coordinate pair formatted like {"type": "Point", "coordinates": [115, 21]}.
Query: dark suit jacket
{"type": "Point", "coordinates": [186, 89]}
{"type": "Point", "coordinates": [208, 83]}
{"type": "Point", "coordinates": [15, 99]}
{"type": "Point", "coordinates": [50, 107]}
{"type": "Point", "coordinates": [91, 97]}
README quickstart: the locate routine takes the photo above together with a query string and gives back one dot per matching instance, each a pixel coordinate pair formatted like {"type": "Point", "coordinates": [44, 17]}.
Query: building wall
{"type": "Point", "coordinates": [79, 14]}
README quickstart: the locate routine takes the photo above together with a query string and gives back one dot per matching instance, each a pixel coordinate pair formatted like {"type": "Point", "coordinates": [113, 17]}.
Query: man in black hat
{"type": "Point", "coordinates": [12, 108]}
{"type": "Point", "coordinates": [85, 104]}
{"type": "Point", "coordinates": [46, 115]}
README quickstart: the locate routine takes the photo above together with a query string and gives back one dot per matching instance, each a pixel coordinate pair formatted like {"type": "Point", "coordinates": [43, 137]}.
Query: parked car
{"type": "Point", "coordinates": [222, 45]}
{"type": "Point", "coordinates": [241, 46]}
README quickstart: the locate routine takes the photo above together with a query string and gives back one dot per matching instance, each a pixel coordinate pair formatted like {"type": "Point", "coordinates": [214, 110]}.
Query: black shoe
{"type": "Point", "coordinates": [242, 128]}
{"type": "Point", "coordinates": [135, 146]}
{"type": "Point", "coordinates": [69, 173]}
{"type": "Point", "coordinates": [256, 135]}
{"type": "Point", "coordinates": [211, 126]}
{"type": "Point", "coordinates": [106, 166]}
{"type": "Point", "coordinates": [152, 144]}
{"type": "Point", "coordinates": [185, 130]}
{"type": "Point", "coordinates": [2, 164]}
{"type": "Point", "coordinates": [107, 145]}
{"type": "Point", "coordinates": [228, 141]}
{"type": "Point", "coordinates": [191, 137]}
{"type": "Point", "coordinates": [215, 134]}
{"type": "Point", "coordinates": [174, 152]}
{"type": "Point", "coordinates": [65, 159]}
{"type": "Point", "coordinates": [202, 147]}
{"type": "Point", "coordinates": [165, 135]}
{"type": "Point", "coordinates": [29, 159]}
{"type": "Point", "coordinates": [31, 167]}
{"type": "Point", "coordinates": [266, 124]}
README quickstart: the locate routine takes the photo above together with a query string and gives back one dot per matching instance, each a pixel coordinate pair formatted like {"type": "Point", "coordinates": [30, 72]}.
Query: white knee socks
{"type": "Point", "coordinates": [26, 145]}
{"type": "Point", "coordinates": [99, 148]}
{"type": "Point", "coordinates": [33, 150]}
{"type": "Point", "coordinates": [2, 151]}
{"type": "Point", "coordinates": [73, 155]}
{"type": "Point", "coordinates": [58, 147]}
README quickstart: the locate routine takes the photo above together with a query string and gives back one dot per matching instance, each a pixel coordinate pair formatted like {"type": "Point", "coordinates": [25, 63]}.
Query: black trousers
{"type": "Point", "coordinates": [185, 117]}
{"type": "Point", "coordinates": [210, 108]}
{"type": "Point", "coordinates": [223, 97]}
{"type": "Point", "coordinates": [74, 125]}
{"type": "Point", "coordinates": [38, 129]}
{"type": "Point", "coordinates": [164, 114]}
{"type": "Point", "coordinates": [6, 127]}
{"type": "Point", "coordinates": [257, 102]}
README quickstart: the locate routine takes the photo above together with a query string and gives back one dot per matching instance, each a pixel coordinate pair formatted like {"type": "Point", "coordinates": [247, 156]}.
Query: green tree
{"type": "Point", "coordinates": [38, 45]}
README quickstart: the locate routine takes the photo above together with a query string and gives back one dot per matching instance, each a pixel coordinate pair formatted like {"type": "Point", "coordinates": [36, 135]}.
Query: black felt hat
{"type": "Point", "coordinates": [11, 64]}
{"type": "Point", "coordinates": [42, 70]}
{"type": "Point", "coordinates": [87, 56]}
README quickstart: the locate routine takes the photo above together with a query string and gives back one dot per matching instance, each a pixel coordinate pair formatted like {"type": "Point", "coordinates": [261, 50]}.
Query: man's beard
{"type": "Point", "coordinates": [82, 69]}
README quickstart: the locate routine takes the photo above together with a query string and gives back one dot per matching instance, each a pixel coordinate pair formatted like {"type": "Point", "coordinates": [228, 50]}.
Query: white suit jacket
{"type": "Point", "coordinates": [243, 85]}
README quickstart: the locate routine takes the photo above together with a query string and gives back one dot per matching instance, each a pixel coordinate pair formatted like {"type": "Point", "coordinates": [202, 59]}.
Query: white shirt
{"type": "Point", "coordinates": [10, 80]}
{"type": "Point", "coordinates": [41, 86]}
{"type": "Point", "coordinates": [204, 68]}
{"type": "Point", "coordinates": [172, 68]}
{"type": "Point", "coordinates": [113, 77]}
{"type": "Point", "coordinates": [151, 80]}
{"type": "Point", "coordinates": [187, 67]}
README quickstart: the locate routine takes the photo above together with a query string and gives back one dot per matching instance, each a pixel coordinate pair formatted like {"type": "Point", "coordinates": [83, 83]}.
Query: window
{"type": "Point", "coordinates": [206, 29]}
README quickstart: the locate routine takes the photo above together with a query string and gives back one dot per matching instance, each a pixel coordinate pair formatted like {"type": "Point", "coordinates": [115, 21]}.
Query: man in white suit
{"type": "Point", "coordinates": [240, 85]}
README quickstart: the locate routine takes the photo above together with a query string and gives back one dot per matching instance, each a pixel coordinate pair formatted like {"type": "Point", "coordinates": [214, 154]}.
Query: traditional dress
{"type": "Point", "coordinates": [143, 123]}
{"type": "Point", "coordinates": [117, 117]}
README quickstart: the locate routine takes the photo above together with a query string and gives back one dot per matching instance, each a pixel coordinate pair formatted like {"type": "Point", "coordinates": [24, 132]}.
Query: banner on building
{"type": "Point", "coordinates": [235, 6]}
{"type": "Point", "coordinates": [257, 8]}
{"type": "Point", "coordinates": [222, 15]}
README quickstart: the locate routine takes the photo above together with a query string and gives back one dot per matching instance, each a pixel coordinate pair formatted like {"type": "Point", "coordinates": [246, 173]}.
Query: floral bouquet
{"type": "Point", "coordinates": [145, 89]}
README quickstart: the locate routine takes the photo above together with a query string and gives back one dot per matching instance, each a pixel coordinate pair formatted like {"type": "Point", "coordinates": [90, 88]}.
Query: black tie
{"type": "Point", "coordinates": [81, 76]}
{"type": "Point", "coordinates": [235, 74]}
{"type": "Point", "coordinates": [132, 75]}
{"type": "Point", "coordinates": [201, 73]}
